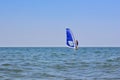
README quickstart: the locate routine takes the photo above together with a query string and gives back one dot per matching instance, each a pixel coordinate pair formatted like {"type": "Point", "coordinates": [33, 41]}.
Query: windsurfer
{"type": "Point", "coordinates": [76, 44]}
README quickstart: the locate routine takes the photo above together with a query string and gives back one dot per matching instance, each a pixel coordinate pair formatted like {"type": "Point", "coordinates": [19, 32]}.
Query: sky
{"type": "Point", "coordinates": [42, 23]}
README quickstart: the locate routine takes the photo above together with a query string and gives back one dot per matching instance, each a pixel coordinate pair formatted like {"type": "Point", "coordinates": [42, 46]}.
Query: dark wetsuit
{"type": "Point", "coordinates": [77, 42]}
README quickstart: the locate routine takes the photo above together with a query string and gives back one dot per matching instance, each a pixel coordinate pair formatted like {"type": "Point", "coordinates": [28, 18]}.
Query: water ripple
{"type": "Point", "coordinates": [59, 63]}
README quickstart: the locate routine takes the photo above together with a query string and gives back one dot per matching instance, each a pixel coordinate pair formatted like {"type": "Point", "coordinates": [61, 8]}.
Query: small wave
{"type": "Point", "coordinates": [47, 75]}
{"type": "Point", "coordinates": [59, 67]}
{"type": "Point", "coordinates": [1, 76]}
{"type": "Point", "coordinates": [115, 59]}
{"type": "Point", "coordinates": [6, 64]}
{"type": "Point", "coordinates": [11, 70]}
{"type": "Point", "coordinates": [97, 52]}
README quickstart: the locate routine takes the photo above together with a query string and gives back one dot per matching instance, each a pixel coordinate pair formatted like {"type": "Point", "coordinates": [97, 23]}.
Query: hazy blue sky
{"type": "Point", "coordinates": [43, 22]}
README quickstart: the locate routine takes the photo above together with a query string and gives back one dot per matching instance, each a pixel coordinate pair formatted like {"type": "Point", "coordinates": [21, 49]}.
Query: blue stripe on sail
{"type": "Point", "coordinates": [69, 40]}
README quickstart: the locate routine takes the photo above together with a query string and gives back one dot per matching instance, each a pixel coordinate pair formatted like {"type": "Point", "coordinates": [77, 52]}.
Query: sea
{"type": "Point", "coordinates": [59, 63]}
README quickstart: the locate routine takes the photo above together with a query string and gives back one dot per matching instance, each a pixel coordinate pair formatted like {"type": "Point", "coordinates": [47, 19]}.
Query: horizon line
{"type": "Point", "coordinates": [57, 46]}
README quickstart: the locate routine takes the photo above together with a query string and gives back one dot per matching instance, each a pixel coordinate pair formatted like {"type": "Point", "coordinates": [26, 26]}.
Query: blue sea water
{"type": "Point", "coordinates": [59, 63]}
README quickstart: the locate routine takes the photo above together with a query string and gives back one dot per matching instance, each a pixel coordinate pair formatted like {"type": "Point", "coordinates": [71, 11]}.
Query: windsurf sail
{"type": "Point", "coordinates": [70, 40]}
